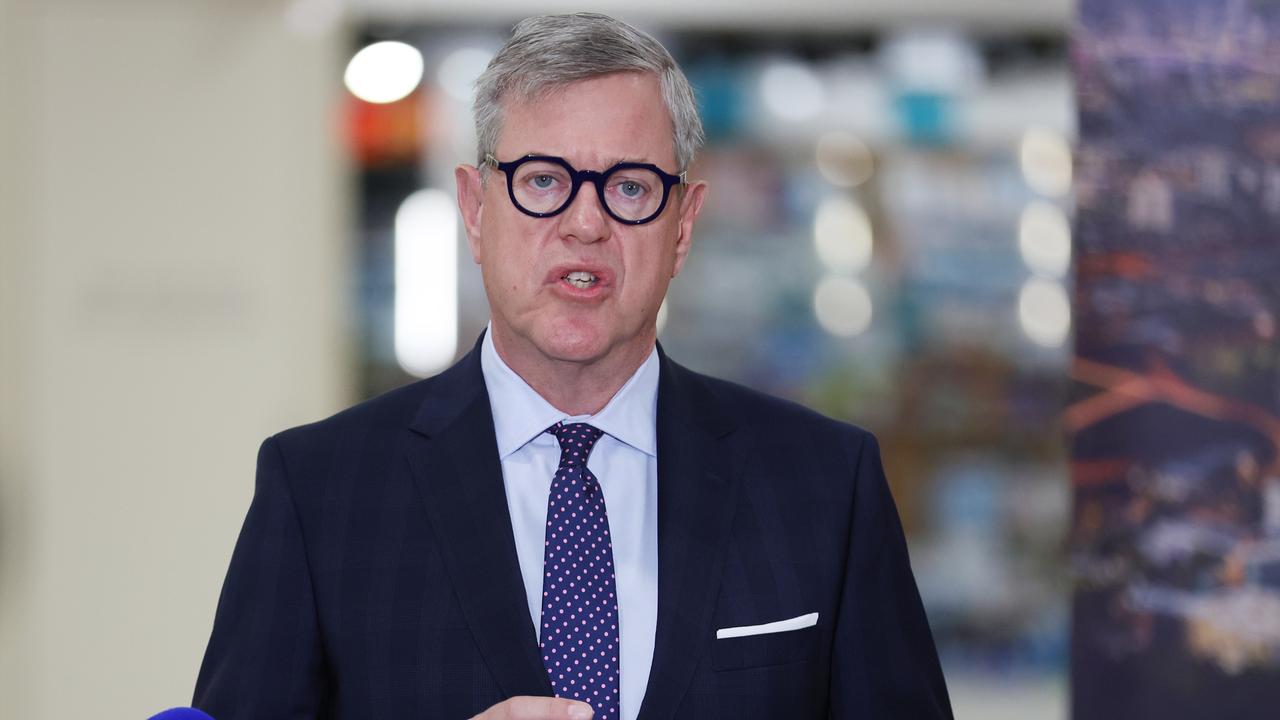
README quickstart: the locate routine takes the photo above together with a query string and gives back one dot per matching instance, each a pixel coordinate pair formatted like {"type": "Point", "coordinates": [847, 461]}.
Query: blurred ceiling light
{"type": "Point", "coordinates": [842, 306]}
{"type": "Point", "coordinates": [426, 278]}
{"type": "Point", "coordinates": [843, 159]}
{"type": "Point", "coordinates": [1044, 312]}
{"type": "Point", "coordinates": [792, 90]}
{"type": "Point", "coordinates": [1044, 239]}
{"type": "Point", "coordinates": [1045, 158]}
{"type": "Point", "coordinates": [938, 62]}
{"type": "Point", "coordinates": [458, 71]}
{"type": "Point", "coordinates": [384, 72]}
{"type": "Point", "coordinates": [312, 17]}
{"type": "Point", "coordinates": [663, 312]}
{"type": "Point", "coordinates": [842, 235]}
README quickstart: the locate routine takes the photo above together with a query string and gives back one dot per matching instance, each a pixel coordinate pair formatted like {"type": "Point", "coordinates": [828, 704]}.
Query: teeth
{"type": "Point", "coordinates": [580, 279]}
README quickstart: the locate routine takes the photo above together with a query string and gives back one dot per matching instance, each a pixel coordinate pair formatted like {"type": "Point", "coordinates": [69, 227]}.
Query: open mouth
{"type": "Point", "coordinates": [580, 279]}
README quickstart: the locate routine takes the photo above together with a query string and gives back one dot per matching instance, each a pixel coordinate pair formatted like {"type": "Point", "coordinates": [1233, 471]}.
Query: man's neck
{"type": "Point", "coordinates": [576, 388]}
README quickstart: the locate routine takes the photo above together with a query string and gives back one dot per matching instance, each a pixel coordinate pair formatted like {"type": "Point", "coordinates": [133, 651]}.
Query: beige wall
{"type": "Point", "coordinates": [173, 287]}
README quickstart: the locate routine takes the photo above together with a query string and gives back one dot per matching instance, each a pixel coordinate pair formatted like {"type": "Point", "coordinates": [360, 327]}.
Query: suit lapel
{"type": "Point", "coordinates": [697, 492]}
{"type": "Point", "coordinates": [454, 458]}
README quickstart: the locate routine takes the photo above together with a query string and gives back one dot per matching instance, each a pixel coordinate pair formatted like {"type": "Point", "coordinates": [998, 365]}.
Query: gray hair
{"type": "Point", "coordinates": [548, 52]}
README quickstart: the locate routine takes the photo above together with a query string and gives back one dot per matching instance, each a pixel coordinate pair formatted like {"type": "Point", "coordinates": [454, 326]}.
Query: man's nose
{"type": "Point", "coordinates": [585, 219]}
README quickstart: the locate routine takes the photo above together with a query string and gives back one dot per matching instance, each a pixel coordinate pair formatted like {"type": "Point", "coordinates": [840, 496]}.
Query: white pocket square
{"type": "Point", "coordinates": [794, 623]}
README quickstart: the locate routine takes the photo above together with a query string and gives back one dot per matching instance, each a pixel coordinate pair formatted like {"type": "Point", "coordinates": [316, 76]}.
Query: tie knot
{"type": "Point", "coordinates": [576, 441]}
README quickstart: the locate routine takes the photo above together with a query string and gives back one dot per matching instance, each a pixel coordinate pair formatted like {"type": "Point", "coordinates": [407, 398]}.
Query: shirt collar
{"type": "Point", "coordinates": [520, 414]}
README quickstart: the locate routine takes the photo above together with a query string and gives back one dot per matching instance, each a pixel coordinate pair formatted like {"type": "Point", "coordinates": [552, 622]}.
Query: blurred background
{"type": "Point", "coordinates": [219, 219]}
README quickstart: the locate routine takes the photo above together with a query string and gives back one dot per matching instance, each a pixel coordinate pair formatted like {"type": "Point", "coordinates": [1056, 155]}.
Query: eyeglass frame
{"type": "Point", "coordinates": [597, 178]}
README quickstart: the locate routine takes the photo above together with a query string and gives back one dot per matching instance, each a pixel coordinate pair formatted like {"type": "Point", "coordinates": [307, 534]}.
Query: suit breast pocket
{"type": "Point", "coordinates": [763, 650]}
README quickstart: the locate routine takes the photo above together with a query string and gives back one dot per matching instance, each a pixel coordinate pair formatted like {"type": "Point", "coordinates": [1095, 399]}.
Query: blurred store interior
{"type": "Point", "coordinates": [221, 219]}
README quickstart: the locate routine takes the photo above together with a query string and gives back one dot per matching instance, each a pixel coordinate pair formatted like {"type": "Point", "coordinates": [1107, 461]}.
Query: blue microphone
{"type": "Point", "coordinates": [180, 714]}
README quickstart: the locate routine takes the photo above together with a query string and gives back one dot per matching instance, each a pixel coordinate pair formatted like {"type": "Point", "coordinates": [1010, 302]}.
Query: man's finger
{"type": "Point", "coordinates": [537, 708]}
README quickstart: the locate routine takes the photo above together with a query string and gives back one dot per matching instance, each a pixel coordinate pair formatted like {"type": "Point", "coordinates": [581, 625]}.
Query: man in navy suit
{"type": "Point", "coordinates": [567, 522]}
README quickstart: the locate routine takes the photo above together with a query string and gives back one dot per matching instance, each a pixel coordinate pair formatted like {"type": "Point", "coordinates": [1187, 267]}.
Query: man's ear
{"type": "Point", "coordinates": [471, 205]}
{"type": "Point", "coordinates": [690, 206]}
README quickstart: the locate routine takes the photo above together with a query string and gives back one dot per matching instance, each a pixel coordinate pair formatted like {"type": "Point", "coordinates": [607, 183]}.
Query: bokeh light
{"type": "Point", "coordinates": [1044, 239]}
{"type": "Point", "coordinates": [1045, 159]}
{"type": "Point", "coordinates": [792, 91]}
{"type": "Point", "coordinates": [842, 235]}
{"type": "Point", "coordinates": [1044, 312]}
{"type": "Point", "coordinates": [384, 72]}
{"type": "Point", "coordinates": [843, 159]}
{"type": "Point", "coordinates": [842, 306]}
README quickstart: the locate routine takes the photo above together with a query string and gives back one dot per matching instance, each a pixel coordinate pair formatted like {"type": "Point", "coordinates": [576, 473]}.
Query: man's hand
{"type": "Point", "coordinates": [537, 708]}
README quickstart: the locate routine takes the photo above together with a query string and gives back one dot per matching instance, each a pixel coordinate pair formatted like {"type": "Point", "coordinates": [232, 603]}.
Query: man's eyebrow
{"type": "Point", "coordinates": [628, 159]}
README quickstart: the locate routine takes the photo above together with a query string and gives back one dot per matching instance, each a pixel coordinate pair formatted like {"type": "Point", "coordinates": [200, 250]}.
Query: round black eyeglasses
{"type": "Point", "coordinates": [544, 185]}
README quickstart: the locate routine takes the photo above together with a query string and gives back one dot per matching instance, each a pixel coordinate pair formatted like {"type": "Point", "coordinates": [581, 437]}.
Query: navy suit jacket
{"type": "Point", "coordinates": [376, 573]}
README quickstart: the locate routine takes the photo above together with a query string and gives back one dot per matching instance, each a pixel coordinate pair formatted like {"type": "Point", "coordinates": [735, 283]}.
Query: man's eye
{"type": "Point", "coordinates": [542, 182]}
{"type": "Point", "coordinates": [631, 188]}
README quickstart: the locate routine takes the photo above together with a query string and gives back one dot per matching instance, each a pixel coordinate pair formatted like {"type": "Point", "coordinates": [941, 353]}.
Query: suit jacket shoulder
{"type": "Point", "coordinates": [370, 433]}
{"type": "Point", "coordinates": [771, 429]}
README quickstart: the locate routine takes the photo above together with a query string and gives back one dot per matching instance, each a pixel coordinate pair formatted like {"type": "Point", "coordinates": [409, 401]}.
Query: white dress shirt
{"type": "Point", "coordinates": [624, 460]}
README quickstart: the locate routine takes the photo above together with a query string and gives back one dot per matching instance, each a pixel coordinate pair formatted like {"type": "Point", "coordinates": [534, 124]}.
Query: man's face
{"type": "Point", "coordinates": [539, 316]}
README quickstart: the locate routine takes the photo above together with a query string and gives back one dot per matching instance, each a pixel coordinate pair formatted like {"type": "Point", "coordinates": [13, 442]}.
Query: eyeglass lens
{"type": "Point", "coordinates": [629, 193]}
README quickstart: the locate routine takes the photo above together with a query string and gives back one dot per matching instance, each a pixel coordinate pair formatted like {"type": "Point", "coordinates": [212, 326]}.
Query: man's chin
{"type": "Point", "coordinates": [573, 341]}
{"type": "Point", "coordinates": [590, 343]}
{"type": "Point", "coordinates": [576, 348]}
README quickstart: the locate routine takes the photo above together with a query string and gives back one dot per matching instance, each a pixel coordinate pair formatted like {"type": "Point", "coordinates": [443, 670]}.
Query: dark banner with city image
{"type": "Point", "coordinates": [1175, 408]}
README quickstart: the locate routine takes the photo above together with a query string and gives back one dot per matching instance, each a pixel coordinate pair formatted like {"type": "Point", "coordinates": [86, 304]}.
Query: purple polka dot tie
{"type": "Point", "coordinates": [579, 597]}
